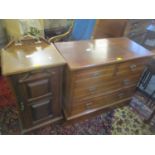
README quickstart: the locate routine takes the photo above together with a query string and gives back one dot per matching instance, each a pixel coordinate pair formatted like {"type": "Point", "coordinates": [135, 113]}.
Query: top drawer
{"type": "Point", "coordinates": [131, 67]}
{"type": "Point", "coordinates": [106, 71]}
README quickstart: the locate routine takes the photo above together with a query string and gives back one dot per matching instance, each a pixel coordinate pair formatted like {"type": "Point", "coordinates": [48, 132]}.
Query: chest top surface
{"type": "Point", "coordinates": [29, 56]}
{"type": "Point", "coordinates": [83, 54]}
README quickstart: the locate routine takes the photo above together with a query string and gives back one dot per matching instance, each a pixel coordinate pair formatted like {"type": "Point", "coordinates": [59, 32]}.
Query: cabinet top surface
{"type": "Point", "coordinates": [29, 56]}
{"type": "Point", "coordinates": [82, 54]}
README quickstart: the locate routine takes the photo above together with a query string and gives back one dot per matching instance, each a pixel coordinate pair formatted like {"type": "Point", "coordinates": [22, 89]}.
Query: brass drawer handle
{"type": "Point", "coordinates": [88, 105]}
{"type": "Point", "coordinates": [92, 89]}
{"type": "Point", "coordinates": [133, 67]}
{"type": "Point", "coordinates": [120, 95]}
{"type": "Point", "coordinates": [95, 74]}
{"type": "Point", "coordinates": [126, 82]}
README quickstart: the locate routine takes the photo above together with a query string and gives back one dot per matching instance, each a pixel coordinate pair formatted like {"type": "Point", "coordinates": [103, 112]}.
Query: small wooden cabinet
{"type": "Point", "coordinates": [39, 95]}
{"type": "Point", "coordinates": [36, 72]}
{"type": "Point", "coordinates": [100, 73]}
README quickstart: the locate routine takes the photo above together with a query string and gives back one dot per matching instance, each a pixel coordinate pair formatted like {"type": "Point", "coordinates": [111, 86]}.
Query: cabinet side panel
{"type": "Point", "coordinates": [68, 85]}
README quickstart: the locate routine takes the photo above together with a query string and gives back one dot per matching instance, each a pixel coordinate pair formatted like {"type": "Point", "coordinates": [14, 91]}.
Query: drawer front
{"type": "Point", "coordinates": [120, 95]}
{"type": "Point", "coordinates": [131, 67]}
{"type": "Point", "coordinates": [87, 105]}
{"type": "Point", "coordinates": [95, 72]}
{"type": "Point", "coordinates": [101, 101]}
{"type": "Point", "coordinates": [104, 88]}
{"type": "Point", "coordinates": [94, 90]}
{"type": "Point", "coordinates": [84, 83]}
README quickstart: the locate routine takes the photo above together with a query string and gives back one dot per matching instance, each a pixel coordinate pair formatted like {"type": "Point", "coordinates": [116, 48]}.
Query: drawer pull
{"type": "Point", "coordinates": [120, 95]}
{"type": "Point", "coordinates": [133, 67]}
{"type": "Point", "coordinates": [92, 89]}
{"type": "Point", "coordinates": [126, 82]}
{"type": "Point", "coordinates": [88, 105]}
{"type": "Point", "coordinates": [95, 74]}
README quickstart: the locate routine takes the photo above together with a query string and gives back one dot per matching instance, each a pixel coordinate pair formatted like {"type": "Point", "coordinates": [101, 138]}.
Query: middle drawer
{"type": "Point", "coordinates": [88, 90]}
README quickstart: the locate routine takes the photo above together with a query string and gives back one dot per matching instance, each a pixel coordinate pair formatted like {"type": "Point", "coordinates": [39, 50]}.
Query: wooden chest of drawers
{"type": "Point", "coordinates": [100, 73]}
{"type": "Point", "coordinates": [36, 72]}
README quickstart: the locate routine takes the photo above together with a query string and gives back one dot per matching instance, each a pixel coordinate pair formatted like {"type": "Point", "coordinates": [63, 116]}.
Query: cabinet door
{"type": "Point", "coordinates": [39, 95]}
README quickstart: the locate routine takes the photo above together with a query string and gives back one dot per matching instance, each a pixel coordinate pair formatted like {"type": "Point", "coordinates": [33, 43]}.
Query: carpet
{"type": "Point", "coordinates": [127, 122]}
{"type": "Point", "coordinates": [121, 121]}
{"type": "Point", "coordinates": [99, 125]}
{"type": "Point", "coordinates": [9, 124]}
{"type": "Point", "coordinates": [7, 97]}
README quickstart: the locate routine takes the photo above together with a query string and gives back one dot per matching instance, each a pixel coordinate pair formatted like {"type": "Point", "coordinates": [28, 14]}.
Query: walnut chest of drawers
{"type": "Point", "coordinates": [35, 70]}
{"type": "Point", "coordinates": [100, 73]}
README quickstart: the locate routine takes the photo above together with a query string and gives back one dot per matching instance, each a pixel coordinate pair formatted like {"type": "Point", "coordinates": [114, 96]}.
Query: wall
{"type": "Point", "coordinates": [12, 27]}
{"type": "Point", "coordinates": [15, 28]}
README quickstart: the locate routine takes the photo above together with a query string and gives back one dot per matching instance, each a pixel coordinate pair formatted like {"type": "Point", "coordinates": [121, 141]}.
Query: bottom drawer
{"type": "Point", "coordinates": [101, 101]}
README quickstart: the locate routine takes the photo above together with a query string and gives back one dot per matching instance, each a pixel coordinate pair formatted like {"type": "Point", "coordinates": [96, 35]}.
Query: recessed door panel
{"type": "Point", "coordinates": [38, 88]}
{"type": "Point", "coordinates": [41, 110]}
